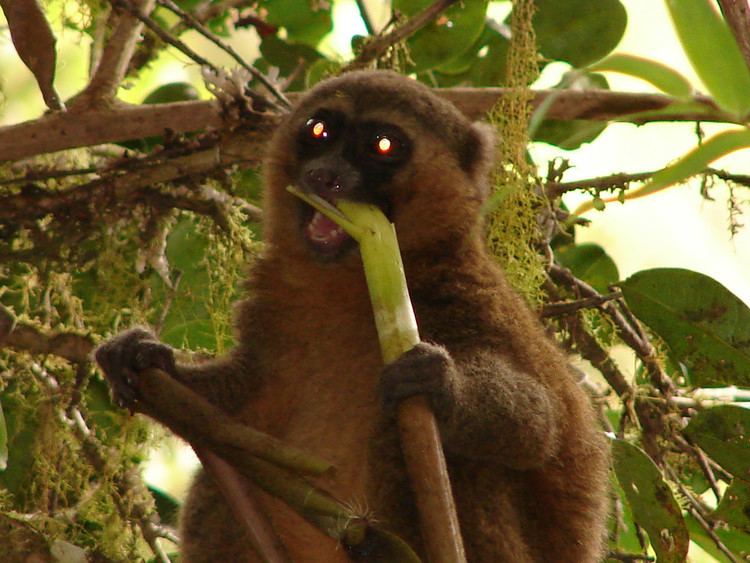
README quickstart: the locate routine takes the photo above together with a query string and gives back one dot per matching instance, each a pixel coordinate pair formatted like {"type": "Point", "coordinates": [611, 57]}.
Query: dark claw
{"type": "Point", "coordinates": [426, 369]}
{"type": "Point", "coordinates": [125, 356]}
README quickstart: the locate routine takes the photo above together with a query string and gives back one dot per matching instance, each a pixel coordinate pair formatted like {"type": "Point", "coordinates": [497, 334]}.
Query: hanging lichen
{"type": "Point", "coordinates": [226, 259]}
{"type": "Point", "coordinates": [512, 218]}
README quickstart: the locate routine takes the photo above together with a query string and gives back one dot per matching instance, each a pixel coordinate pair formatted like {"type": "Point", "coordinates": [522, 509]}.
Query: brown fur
{"type": "Point", "coordinates": [527, 463]}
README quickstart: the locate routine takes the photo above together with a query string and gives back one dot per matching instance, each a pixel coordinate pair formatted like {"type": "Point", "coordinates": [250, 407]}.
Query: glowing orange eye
{"type": "Point", "coordinates": [318, 130]}
{"type": "Point", "coordinates": [384, 145]}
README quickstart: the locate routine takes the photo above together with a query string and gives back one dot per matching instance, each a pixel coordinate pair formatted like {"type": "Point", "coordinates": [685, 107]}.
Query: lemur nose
{"type": "Point", "coordinates": [324, 180]}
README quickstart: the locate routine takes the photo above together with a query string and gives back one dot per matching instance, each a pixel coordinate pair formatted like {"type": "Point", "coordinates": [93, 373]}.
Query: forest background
{"type": "Point", "coordinates": [156, 246]}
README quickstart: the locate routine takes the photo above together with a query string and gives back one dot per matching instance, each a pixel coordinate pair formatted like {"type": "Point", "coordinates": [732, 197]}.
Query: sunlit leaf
{"type": "Point", "coordinates": [706, 327]}
{"type": "Point", "coordinates": [652, 502]}
{"type": "Point", "coordinates": [454, 31]}
{"type": "Point", "coordinates": [724, 434]}
{"type": "Point", "coordinates": [578, 31]}
{"type": "Point", "coordinates": [695, 161]}
{"type": "Point", "coordinates": [663, 77]}
{"type": "Point", "coordinates": [713, 52]}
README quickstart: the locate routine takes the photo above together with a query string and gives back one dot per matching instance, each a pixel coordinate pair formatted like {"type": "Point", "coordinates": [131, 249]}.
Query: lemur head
{"type": "Point", "coordinates": [382, 138]}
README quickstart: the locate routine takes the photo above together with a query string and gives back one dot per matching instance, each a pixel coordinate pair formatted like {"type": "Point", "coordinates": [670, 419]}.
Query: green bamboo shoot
{"type": "Point", "coordinates": [397, 333]}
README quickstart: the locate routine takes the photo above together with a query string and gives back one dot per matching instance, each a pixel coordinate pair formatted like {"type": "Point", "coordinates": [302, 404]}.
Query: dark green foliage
{"type": "Point", "coordinates": [578, 31]}
{"type": "Point", "coordinates": [651, 500]}
{"type": "Point", "coordinates": [706, 327]}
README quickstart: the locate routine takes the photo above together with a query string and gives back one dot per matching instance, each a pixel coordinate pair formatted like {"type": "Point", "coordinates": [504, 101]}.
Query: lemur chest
{"type": "Point", "coordinates": [321, 394]}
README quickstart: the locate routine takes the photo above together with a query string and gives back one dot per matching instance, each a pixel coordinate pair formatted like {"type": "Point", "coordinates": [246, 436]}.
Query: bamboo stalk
{"type": "Point", "coordinates": [397, 333]}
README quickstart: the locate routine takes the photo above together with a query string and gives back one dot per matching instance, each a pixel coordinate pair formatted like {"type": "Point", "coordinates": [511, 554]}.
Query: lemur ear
{"type": "Point", "coordinates": [478, 154]}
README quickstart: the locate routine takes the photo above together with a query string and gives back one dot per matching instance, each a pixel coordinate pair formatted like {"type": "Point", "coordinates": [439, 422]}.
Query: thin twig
{"type": "Point", "coordinates": [628, 327]}
{"type": "Point", "coordinates": [589, 348]}
{"type": "Point", "coordinates": [200, 28]}
{"type": "Point", "coordinates": [365, 17]}
{"type": "Point", "coordinates": [164, 35]}
{"type": "Point", "coordinates": [562, 308]}
{"type": "Point", "coordinates": [374, 49]}
{"type": "Point", "coordinates": [702, 460]}
{"type": "Point", "coordinates": [709, 530]}
{"type": "Point", "coordinates": [623, 180]}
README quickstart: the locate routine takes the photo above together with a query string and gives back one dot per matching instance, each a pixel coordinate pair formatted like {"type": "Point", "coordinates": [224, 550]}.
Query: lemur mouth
{"type": "Point", "coordinates": [326, 239]}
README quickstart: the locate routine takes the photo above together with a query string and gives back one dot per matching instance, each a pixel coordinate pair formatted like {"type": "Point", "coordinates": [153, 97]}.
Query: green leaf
{"type": "Point", "coordinates": [652, 502]}
{"type": "Point", "coordinates": [663, 77]}
{"type": "Point", "coordinates": [705, 326]}
{"type": "Point", "coordinates": [627, 539]}
{"type": "Point", "coordinates": [578, 31]}
{"type": "Point", "coordinates": [166, 506]}
{"type": "Point", "coordinates": [448, 36]}
{"type": "Point", "coordinates": [713, 52]}
{"type": "Point", "coordinates": [736, 541]}
{"type": "Point", "coordinates": [724, 434]}
{"type": "Point", "coordinates": [589, 262]}
{"type": "Point", "coordinates": [734, 508]}
{"type": "Point", "coordinates": [3, 441]}
{"type": "Point", "coordinates": [305, 22]}
{"type": "Point", "coordinates": [172, 92]}
{"type": "Point", "coordinates": [695, 161]}
{"type": "Point", "coordinates": [483, 64]}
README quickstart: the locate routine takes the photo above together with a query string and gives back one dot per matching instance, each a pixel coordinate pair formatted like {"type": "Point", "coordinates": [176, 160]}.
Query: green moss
{"type": "Point", "coordinates": [513, 232]}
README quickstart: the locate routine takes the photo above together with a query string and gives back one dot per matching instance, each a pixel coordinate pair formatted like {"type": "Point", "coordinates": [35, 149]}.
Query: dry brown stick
{"type": "Point", "coordinates": [245, 508]}
{"type": "Point", "coordinates": [428, 475]}
{"type": "Point", "coordinates": [371, 51]}
{"type": "Point", "coordinates": [60, 131]}
{"type": "Point", "coordinates": [737, 15]}
{"type": "Point", "coordinates": [113, 64]}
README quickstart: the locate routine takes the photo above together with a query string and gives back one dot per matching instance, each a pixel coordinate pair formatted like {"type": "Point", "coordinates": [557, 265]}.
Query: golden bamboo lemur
{"type": "Point", "coordinates": [527, 463]}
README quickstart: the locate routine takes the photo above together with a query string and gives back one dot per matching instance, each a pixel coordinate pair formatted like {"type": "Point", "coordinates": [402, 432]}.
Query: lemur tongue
{"type": "Point", "coordinates": [324, 232]}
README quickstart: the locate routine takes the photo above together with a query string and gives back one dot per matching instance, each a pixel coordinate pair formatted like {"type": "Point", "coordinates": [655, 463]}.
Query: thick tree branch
{"type": "Point", "coordinates": [737, 15]}
{"type": "Point", "coordinates": [60, 131]}
{"type": "Point", "coordinates": [113, 64]}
